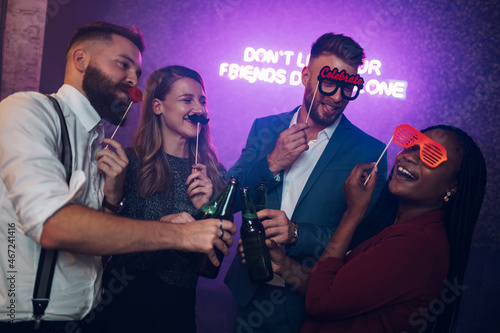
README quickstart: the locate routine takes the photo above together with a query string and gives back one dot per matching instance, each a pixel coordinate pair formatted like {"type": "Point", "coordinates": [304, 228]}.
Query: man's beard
{"type": "Point", "coordinates": [320, 119]}
{"type": "Point", "coordinates": [101, 92]}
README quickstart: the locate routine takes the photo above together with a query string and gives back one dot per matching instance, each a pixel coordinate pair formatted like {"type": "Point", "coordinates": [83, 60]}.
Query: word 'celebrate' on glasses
{"type": "Point", "coordinates": [330, 80]}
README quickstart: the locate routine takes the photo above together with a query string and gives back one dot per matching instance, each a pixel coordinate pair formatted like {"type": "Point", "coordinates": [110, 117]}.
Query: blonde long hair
{"type": "Point", "coordinates": [155, 174]}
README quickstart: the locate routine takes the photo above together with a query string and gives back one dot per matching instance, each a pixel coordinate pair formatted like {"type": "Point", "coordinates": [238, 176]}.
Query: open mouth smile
{"type": "Point", "coordinates": [405, 173]}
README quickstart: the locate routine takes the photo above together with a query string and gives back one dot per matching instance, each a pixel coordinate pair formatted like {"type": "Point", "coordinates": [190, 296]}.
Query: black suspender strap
{"type": "Point", "coordinates": [66, 155]}
{"type": "Point", "coordinates": [48, 258]}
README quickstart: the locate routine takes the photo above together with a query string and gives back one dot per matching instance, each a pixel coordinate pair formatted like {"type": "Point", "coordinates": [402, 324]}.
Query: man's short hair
{"type": "Point", "coordinates": [105, 31]}
{"type": "Point", "coordinates": [339, 45]}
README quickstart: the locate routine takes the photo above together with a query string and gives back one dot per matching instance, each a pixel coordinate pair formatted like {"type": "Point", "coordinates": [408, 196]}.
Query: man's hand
{"type": "Point", "coordinates": [204, 235]}
{"type": "Point", "coordinates": [278, 227]}
{"type": "Point", "coordinates": [114, 167]}
{"type": "Point", "coordinates": [291, 143]}
{"type": "Point", "coordinates": [200, 187]}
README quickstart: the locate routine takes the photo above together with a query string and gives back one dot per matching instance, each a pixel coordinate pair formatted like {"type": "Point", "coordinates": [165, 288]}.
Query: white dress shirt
{"type": "Point", "coordinates": [296, 175]}
{"type": "Point", "coordinates": [33, 187]}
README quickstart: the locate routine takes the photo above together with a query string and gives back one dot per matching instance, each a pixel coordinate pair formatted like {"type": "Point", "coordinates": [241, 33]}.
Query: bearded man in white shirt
{"type": "Point", "coordinates": [38, 207]}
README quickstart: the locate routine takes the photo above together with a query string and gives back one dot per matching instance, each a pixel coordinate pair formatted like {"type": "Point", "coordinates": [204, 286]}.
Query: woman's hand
{"type": "Point", "coordinates": [358, 195]}
{"type": "Point", "coordinates": [278, 257]}
{"type": "Point", "coordinates": [279, 260]}
{"type": "Point", "coordinates": [200, 187]}
{"type": "Point", "coordinates": [295, 275]}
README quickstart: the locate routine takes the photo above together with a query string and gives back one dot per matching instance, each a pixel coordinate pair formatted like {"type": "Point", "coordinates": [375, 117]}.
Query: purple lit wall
{"type": "Point", "coordinates": [442, 56]}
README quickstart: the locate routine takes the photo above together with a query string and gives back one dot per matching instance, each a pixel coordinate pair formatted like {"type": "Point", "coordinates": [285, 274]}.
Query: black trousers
{"type": "Point", "coordinates": [145, 303]}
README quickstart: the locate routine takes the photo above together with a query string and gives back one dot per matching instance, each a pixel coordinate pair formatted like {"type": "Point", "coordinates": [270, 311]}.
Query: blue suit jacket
{"type": "Point", "coordinates": [321, 204]}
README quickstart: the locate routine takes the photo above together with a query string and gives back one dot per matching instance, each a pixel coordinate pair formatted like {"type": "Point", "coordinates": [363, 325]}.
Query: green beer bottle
{"type": "Point", "coordinates": [261, 196]}
{"type": "Point", "coordinates": [253, 237]}
{"type": "Point", "coordinates": [220, 207]}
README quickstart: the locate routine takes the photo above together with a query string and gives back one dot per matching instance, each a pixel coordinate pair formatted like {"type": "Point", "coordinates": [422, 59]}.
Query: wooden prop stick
{"type": "Point", "coordinates": [367, 178]}
{"type": "Point", "coordinates": [195, 118]}
{"type": "Point", "coordinates": [197, 136]}
{"type": "Point", "coordinates": [135, 96]}
{"type": "Point", "coordinates": [312, 101]}
{"type": "Point", "coordinates": [116, 129]}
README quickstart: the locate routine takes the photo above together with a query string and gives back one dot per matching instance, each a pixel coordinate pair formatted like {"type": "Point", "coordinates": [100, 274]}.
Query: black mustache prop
{"type": "Point", "coordinates": [195, 118]}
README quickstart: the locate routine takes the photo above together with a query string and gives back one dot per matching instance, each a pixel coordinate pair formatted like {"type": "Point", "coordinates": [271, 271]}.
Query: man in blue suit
{"type": "Point", "coordinates": [305, 161]}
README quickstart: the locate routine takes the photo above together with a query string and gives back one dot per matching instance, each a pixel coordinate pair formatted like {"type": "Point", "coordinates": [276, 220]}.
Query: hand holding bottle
{"type": "Point", "coordinates": [278, 227]}
{"type": "Point", "coordinates": [253, 237]}
{"type": "Point", "coordinates": [278, 258]}
{"type": "Point", "coordinates": [219, 207]}
{"type": "Point", "coordinates": [205, 236]}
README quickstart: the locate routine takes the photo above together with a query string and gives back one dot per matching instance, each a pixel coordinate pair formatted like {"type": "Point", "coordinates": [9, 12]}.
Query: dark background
{"type": "Point", "coordinates": [446, 51]}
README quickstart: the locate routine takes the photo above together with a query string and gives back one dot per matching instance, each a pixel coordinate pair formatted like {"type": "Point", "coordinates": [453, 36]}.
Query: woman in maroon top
{"type": "Point", "coordinates": [408, 277]}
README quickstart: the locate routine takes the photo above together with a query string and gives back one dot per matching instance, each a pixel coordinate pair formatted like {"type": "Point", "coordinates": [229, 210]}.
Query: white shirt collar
{"type": "Point", "coordinates": [328, 131]}
{"type": "Point", "coordinates": [80, 106]}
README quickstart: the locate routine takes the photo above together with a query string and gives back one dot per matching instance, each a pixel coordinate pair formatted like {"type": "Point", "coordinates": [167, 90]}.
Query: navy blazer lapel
{"type": "Point", "coordinates": [338, 138]}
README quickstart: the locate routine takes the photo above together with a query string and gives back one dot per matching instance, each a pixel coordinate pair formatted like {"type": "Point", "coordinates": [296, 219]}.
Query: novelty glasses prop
{"type": "Point", "coordinates": [431, 152]}
{"type": "Point", "coordinates": [330, 80]}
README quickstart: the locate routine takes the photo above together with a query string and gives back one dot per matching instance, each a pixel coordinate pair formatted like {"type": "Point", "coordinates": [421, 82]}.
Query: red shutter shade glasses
{"type": "Point", "coordinates": [431, 152]}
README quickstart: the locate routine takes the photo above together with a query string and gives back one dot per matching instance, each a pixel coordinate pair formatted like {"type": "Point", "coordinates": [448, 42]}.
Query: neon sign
{"type": "Point", "coordinates": [274, 67]}
{"type": "Point", "coordinates": [394, 88]}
